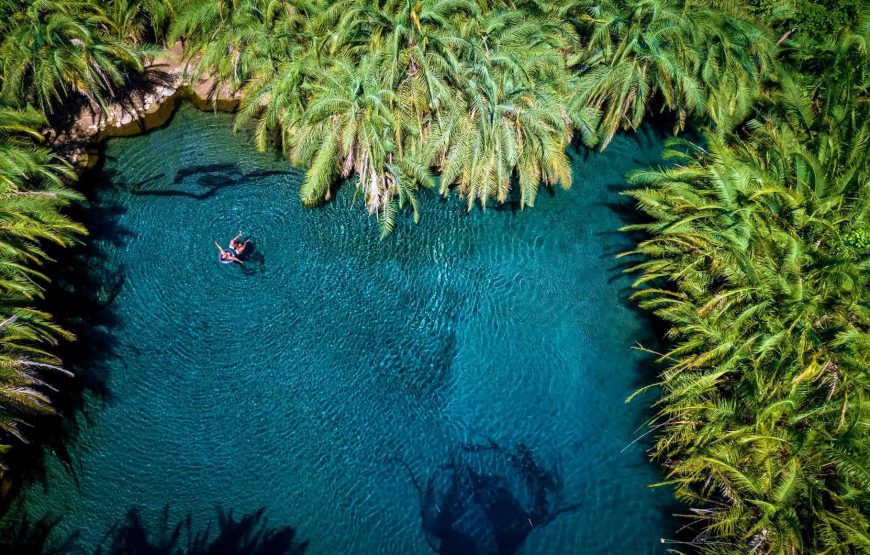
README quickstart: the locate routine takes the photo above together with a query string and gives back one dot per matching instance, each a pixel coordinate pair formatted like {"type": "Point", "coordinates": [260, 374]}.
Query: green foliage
{"type": "Point", "coordinates": [488, 94]}
{"type": "Point", "coordinates": [31, 193]}
{"type": "Point", "coordinates": [758, 242]}
{"type": "Point", "coordinates": [757, 258]}
{"type": "Point", "coordinates": [815, 20]}
{"type": "Point", "coordinates": [858, 239]}
{"type": "Point", "coordinates": [50, 50]}
{"type": "Point", "coordinates": [140, 21]}
{"type": "Point", "coordinates": [388, 92]}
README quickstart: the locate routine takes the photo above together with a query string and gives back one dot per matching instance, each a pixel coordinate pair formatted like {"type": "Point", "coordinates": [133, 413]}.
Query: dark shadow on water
{"type": "Point", "coordinates": [486, 500]}
{"type": "Point", "coordinates": [618, 242]}
{"type": "Point", "coordinates": [251, 534]}
{"type": "Point", "coordinates": [200, 169]}
{"type": "Point", "coordinates": [154, 178]}
{"type": "Point", "coordinates": [658, 126]}
{"type": "Point", "coordinates": [211, 178]}
{"type": "Point", "coordinates": [254, 261]}
{"type": "Point", "coordinates": [85, 283]}
{"type": "Point", "coordinates": [651, 337]}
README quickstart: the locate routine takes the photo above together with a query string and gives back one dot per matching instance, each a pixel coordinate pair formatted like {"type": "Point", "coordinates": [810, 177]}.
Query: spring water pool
{"type": "Point", "coordinates": [460, 384]}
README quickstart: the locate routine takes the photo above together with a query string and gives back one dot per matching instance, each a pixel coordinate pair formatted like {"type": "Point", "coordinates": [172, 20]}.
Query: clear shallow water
{"type": "Point", "coordinates": [318, 379]}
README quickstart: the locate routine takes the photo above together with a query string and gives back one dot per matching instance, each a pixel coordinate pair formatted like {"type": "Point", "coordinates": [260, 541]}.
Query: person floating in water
{"type": "Point", "coordinates": [234, 252]}
{"type": "Point", "coordinates": [239, 246]}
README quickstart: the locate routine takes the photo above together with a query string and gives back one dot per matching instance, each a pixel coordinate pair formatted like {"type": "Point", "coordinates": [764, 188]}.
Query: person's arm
{"type": "Point", "coordinates": [220, 248]}
{"type": "Point", "coordinates": [234, 259]}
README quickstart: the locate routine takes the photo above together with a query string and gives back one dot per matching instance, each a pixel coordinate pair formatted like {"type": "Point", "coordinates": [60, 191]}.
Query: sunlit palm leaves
{"type": "Point", "coordinates": [489, 93]}
{"type": "Point", "coordinates": [763, 421]}
{"type": "Point", "coordinates": [758, 242]}
{"type": "Point", "coordinates": [50, 50]}
{"type": "Point", "coordinates": [386, 92]}
{"type": "Point", "coordinates": [31, 194]}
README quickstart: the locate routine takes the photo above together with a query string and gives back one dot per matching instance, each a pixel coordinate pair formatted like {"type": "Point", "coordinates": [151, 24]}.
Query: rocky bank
{"type": "Point", "coordinates": [146, 103]}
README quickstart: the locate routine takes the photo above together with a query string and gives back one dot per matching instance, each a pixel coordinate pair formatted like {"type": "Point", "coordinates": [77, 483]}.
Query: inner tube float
{"type": "Point", "coordinates": [233, 252]}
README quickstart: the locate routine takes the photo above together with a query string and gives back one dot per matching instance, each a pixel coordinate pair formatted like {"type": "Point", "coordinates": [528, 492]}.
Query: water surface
{"type": "Point", "coordinates": [490, 350]}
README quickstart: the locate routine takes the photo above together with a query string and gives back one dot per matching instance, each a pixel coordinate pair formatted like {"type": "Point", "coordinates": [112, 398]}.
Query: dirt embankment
{"type": "Point", "coordinates": [147, 102]}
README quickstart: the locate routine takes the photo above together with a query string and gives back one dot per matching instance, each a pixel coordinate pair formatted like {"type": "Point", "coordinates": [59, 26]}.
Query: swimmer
{"type": "Point", "coordinates": [228, 256]}
{"type": "Point", "coordinates": [239, 246]}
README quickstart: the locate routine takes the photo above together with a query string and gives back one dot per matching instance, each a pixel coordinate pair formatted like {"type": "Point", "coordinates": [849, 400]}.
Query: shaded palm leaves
{"type": "Point", "coordinates": [637, 50]}
{"type": "Point", "coordinates": [237, 41]}
{"type": "Point", "coordinates": [50, 50]}
{"type": "Point", "coordinates": [140, 21]}
{"type": "Point", "coordinates": [31, 194]}
{"type": "Point", "coordinates": [689, 59]}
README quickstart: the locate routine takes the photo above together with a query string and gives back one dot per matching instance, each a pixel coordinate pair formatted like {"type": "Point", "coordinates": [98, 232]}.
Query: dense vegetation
{"type": "Point", "coordinates": [758, 238]}
{"type": "Point", "coordinates": [486, 95]}
{"type": "Point", "coordinates": [759, 260]}
{"type": "Point", "coordinates": [31, 191]}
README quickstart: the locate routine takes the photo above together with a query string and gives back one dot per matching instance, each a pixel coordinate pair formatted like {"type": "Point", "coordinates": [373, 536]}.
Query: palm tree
{"type": "Point", "coordinates": [50, 50]}
{"type": "Point", "coordinates": [757, 258]}
{"type": "Point", "coordinates": [346, 129]}
{"type": "Point", "coordinates": [518, 114]}
{"type": "Point", "coordinates": [749, 262]}
{"type": "Point", "coordinates": [236, 41]}
{"type": "Point", "coordinates": [141, 21]}
{"type": "Point", "coordinates": [733, 59]}
{"type": "Point", "coordinates": [395, 88]}
{"type": "Point", "coordinates": [32, 191]}
{"type": "Point", "coordinates": [637, 51]}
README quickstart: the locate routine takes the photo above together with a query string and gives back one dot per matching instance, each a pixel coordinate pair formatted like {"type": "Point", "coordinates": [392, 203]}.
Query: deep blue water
{"type": "Point", "coordinates": [461, 382]}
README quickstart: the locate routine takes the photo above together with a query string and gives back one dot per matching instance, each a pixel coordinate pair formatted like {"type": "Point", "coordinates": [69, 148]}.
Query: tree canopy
{"type": "Point", "coordinates": [756, 248]}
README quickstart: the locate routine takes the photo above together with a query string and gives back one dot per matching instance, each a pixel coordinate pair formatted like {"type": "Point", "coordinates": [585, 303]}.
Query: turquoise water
{"type": "Point", "coordinates": [459, 385]}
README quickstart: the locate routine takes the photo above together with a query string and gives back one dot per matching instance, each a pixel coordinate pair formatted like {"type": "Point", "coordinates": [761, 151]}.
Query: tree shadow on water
{"type": "Point", "coordinates": [253, 258]}
{"type": "Point", "coordinates": [207, 180]}
{"type": "Point", "coordinates": [653, 329]}
{"type": "Point", "coordinates": [650, 338]}
{"type": "Point", "coordinates": [486, 500]}
{"type": "Point", "coordinates": [85, 283]}
{"type": "Point", "coordinates": [249, 535]}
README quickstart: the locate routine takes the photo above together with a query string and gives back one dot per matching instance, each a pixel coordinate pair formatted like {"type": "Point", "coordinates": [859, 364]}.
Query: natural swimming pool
{"type": "Point", "coordinates": [447, 384]}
